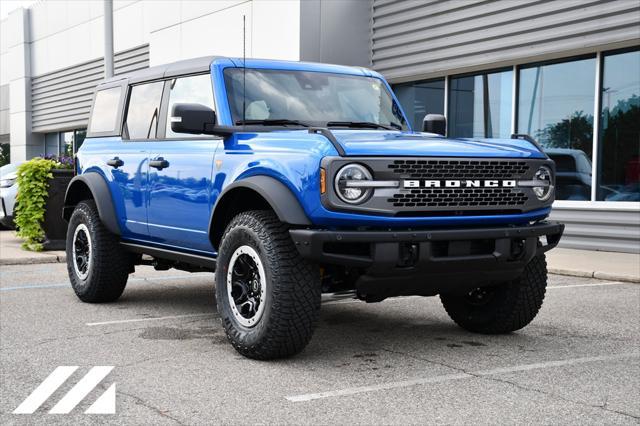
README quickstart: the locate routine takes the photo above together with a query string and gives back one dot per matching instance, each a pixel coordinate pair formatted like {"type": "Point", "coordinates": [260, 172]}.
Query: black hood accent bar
{"type": "Point", "coordinates": [329, 135]}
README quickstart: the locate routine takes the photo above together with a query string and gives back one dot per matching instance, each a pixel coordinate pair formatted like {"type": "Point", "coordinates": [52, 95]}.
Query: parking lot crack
{"type": "Point", "coordinates": [440, 363]}
{"type": "Point", "coordinates": [153, 408]}
{"type": "Point", "coordinates": [554, 395]}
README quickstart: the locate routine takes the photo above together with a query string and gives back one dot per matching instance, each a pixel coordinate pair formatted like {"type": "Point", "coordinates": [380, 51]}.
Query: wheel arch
{"type": "Point", "coordinates": [255, 193]}
{"type": "Point", "coordinates": [91, 186]}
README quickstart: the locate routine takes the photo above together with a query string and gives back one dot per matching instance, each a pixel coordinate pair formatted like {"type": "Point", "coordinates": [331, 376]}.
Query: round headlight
{"type": "Point", "coordinates": [544, 191]}
{"type": "Point", "coordinates": [346, 183]}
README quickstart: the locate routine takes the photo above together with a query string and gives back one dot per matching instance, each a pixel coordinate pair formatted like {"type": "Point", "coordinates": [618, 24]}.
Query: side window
{"type": "Point", "coordinates": [143, 110]}
{"type": "Point", "coordinates": [105, 110]}
{"type": "Point", "coordinates": [193, 90]}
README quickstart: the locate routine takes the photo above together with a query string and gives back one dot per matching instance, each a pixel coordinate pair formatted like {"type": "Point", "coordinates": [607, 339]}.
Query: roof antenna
{"type": "Point", "coordinates": [244, 68]}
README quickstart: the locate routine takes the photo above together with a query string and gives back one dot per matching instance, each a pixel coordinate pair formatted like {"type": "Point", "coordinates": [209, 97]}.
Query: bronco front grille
{"type": "Point", "coordinates": [455, 198]}
{"type": "Point", "coordinates": [459, 169]}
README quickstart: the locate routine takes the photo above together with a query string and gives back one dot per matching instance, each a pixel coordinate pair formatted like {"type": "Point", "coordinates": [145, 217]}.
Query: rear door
{"type": "Point", "coordinates": [181, 172]}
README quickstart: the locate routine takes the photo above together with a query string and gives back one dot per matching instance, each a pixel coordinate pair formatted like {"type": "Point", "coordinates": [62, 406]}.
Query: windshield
{"type": "Point", "coordinates": [314, 98]}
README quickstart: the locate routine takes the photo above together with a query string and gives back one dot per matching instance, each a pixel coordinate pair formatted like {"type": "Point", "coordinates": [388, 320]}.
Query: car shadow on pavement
{"type": "Point", "coordinates": [185, 297]}
{"type": "Point", "coordinates": [345, 330]}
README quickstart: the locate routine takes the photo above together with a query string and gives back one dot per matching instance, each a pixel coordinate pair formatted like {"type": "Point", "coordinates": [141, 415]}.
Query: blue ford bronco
{"type": "Point", "coordinates": [290, 180]}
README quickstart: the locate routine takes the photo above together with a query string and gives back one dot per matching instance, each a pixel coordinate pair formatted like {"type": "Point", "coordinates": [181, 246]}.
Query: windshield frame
{"type": "Point", "coordinates": [222, 90]}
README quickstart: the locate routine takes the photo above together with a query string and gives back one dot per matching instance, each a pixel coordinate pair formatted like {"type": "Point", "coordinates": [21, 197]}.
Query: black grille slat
{"type": "Point", "coordinates": [456, 169]}
{"type": "Point", "coordinates": [460, 197]}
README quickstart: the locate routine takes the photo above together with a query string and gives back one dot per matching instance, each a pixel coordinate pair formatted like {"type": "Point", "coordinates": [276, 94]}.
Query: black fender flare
{"type": "Point", "coordinates": [275, 193]}
{"type": "Point", "coordinates": [99, 191]}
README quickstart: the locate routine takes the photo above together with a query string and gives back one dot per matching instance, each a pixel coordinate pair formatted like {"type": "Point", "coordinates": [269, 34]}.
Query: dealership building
{"type": "Point", "coordinates": [565, 72]}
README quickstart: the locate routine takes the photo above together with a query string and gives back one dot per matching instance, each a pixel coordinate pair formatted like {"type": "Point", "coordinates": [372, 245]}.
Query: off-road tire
{"type": "Point", "coordinates": [292, 299]}
{"type": "Point", "coordinates": [510, 307]}
{"type": "Point", "coordinates": [109, 265]}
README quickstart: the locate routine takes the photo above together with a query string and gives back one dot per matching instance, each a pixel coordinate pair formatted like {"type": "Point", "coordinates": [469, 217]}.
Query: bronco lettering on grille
{"type": "Point", "coordinates": [492, 183]}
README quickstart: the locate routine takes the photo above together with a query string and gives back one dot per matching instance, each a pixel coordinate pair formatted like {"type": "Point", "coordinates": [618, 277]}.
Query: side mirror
{"type": "Point", "coordinates": [192, 118]}
{"type": "Point", "coordinates": [434, 123]}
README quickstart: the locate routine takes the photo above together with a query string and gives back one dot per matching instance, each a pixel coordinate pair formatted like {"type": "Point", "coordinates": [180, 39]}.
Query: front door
{"type": "Point", "coordinates": [181, 172]}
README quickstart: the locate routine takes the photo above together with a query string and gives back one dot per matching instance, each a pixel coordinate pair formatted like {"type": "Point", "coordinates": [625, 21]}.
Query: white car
{"type": "Point", "coordinates": [8, 192]}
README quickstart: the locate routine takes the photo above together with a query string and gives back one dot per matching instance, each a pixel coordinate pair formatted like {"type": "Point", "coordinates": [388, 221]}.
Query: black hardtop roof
{"type": "Point", "coordinates": [188, 66]}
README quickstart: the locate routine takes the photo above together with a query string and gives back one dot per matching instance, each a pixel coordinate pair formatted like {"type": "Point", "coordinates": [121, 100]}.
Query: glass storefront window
{"type": "Point", "coordinates": [419, 99]}
{"type": "Point", "coordinates": [51, 144]}
{"type": "Point", "coordinates": [619, 143]}
{"type": "Point", "coordinates": [64, 143]}
{"type": "Point", "coordinates": [480, 105]}
{"type": "Point", "coordinates": [555, 106]}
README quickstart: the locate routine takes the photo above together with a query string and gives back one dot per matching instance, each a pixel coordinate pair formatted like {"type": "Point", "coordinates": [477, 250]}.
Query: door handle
{"type": "Point", "coordinates": [159, 163]}
{"type": "Point", "coordinates": [115, 162]}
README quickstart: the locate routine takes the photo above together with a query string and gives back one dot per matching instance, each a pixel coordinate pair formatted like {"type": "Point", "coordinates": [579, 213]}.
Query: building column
{"type": "Point", "coordinates": [24, 143]}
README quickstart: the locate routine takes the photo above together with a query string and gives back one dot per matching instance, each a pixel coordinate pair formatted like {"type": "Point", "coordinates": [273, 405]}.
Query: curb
{"type": "Point", "coordinates": [45, 258]}
{"type": "Point", "coordinates": [596, 274]}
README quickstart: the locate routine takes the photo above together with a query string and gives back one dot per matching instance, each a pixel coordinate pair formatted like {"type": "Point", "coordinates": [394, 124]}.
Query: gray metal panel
{"type": "Point", "coordinates": [417, 38]}
{"type": "Point", "coordinates": [326, 24]}
{"type": "Point", "coordinates": [4, 110]}
{"type": "Point", "coordinates": [61, 100]}
{"type": "Point", "coordinates": [599, 229]}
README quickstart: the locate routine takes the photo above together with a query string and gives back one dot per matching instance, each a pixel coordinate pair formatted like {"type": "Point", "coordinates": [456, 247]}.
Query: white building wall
{"type": "Point", "coordinates": [187, 29]}
{"type": "Point", "coordinates": [64, 33]}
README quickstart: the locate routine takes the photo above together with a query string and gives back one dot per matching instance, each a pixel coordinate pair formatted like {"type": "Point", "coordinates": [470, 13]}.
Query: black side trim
{"type": "Point", "coordinates": [329, 135]}
{"type": "Point", "coordinates": [177, 256]}
{"type": "Point", "coordinates": [101, 195]}
{"type": "Point", "coordinates": [279, 197]}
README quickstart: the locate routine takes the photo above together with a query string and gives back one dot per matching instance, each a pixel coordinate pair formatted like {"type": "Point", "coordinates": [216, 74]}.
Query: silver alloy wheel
{"type": "Point", "coordinates": [246, 286]}
{"type": "Point", "coordinates": [81, 251]}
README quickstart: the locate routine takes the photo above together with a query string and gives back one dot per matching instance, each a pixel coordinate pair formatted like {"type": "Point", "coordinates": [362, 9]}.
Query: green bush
{"type": "Point", "coordinates": [33, 184]}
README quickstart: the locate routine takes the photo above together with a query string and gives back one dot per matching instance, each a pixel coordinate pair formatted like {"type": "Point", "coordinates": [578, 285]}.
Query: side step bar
{"type": "Point", "coordinates": [176, 256]}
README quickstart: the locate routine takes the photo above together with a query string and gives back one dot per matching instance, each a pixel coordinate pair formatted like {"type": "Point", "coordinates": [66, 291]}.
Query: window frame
{"type": "Point", "coordinates": [447, 89]}
{"type": "Point", "coordinates": [126, 111]}
{"type": "Point", "coordinates": [124, 94]}
{"type": "Point", "coordinates": [164, 110]}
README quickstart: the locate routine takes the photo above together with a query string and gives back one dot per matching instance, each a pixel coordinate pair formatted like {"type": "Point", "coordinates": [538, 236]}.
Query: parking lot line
{"type": "Point", "coordinates": [456, 376]}
{"type": "Point", "coordinates": [91, 324]}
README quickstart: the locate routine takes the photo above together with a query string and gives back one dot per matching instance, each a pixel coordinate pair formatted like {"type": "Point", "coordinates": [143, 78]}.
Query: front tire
{"type": "Point", "coordinates": [504, 308]}
{"type": "Point", "coordinates": [98, 267]}
{"type": "Point", "coordinates": [268, 297]}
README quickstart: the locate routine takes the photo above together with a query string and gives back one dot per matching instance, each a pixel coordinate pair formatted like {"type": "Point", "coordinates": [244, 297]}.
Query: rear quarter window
{"type": "Point", "coordinates": [104, 115]}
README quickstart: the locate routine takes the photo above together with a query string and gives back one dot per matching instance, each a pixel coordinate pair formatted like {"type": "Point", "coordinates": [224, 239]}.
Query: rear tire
{"type": "Point", "coordinates": [268, 297]}
{"type": "Point", "coordinates": [504, 308]}
{"type": "Point", "coordinates": [98, 267]}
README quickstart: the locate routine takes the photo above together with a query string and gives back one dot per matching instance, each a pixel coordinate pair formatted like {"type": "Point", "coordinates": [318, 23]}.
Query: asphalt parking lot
{"type": "Point", "coordinates": [401, 361]}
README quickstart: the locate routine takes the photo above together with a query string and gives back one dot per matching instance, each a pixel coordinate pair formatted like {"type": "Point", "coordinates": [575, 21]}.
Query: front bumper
{"type": "Point", "coordinates": [462, 256]}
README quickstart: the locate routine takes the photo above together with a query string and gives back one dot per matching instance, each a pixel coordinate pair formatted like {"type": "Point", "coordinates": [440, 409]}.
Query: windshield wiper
{"type": "Point", "coordinates": [273, 122]}
{"type": "Point", "coordinates": [363, 125]}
